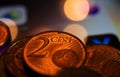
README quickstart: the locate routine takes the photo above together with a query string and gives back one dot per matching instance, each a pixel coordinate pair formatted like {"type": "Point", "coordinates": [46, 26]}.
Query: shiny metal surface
{"type": "Point", "coordinates": [4, 33]}
{"type": "Point", "coordinates": [49, 52]}
{"type": "Point", "coordinates": [104, 59]}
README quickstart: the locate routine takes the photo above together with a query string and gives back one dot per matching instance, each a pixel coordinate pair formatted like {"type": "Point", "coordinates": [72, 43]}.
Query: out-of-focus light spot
{"type": "Point", "coordinates": [94, 9]}
{"type": "Point", "coordinates": [12, 15]}
{"type": "Point", "coordinates": [76, 10]}
{"type": "Point", "coordinates": [105, 41]}
{"type": "Point", "coordinates": [17, 13]}
{"type": "Point", "coordinates": [12, 27]}
{"type": "Point", "coordinates": [77, 30]}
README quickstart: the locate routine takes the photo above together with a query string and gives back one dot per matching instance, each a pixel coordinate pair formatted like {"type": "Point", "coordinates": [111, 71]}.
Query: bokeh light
{"type": "Point", "coordinates": [77, 30]}
{"type": "Point", "coordinates": [76, 10]}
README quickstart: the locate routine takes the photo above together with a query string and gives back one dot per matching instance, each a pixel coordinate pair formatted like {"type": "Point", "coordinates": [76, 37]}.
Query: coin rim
{"type": "Point", "coordinates": [9, 52]}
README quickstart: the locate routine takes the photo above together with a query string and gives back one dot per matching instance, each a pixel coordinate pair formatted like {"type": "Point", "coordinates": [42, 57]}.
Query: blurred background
{"type": "Point", "coordinates": [80, 17]}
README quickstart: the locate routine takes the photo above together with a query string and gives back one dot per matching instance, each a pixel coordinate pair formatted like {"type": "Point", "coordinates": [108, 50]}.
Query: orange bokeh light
{"type": "Point", "coordinates": [76, 10]}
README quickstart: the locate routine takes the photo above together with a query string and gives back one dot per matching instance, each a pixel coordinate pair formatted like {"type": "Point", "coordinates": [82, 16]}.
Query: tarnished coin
{"type": "Point", "coordinates": [102, 58]}
{"type": "Point", "coordinates": [49, 52]}
{"type": "Point", "coordinates": [14, 58]}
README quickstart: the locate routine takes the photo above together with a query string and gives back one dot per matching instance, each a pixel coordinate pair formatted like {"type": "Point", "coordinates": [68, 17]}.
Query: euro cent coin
{"type": "Point", "coordinates": [49, 52]}
{"type": "Point", "coordinates": [14, 58]}
{"type": "Point", "coordinates": [104, 59]}
{"type": "Point", "coordinates": [5, 37]}
{"type": "Point", "coordinates": [4, 33]}
{"type": "Point", "coordinates": [12, 27]}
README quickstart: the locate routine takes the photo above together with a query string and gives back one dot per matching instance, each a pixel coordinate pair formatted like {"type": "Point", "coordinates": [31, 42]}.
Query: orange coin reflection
{"type": "Point", "coordinates": [12, 27]}
{"type": "Point", "coordinates": [49, 52]}
{"type": "Point", "coordinates": [3, 34]}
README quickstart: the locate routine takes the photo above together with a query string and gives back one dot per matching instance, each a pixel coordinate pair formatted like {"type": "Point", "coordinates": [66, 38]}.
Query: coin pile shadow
{"type": "Point", "coordinates": [32, 73]}
{"type": "Point", "coordinates": [78, 72]}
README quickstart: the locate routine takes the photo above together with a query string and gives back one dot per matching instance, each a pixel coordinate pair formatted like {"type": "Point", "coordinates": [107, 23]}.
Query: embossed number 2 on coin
{"type": "Point", "coordinates": [44, 43]}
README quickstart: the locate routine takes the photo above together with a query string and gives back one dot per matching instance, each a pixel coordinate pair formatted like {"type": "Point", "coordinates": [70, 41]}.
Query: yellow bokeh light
{"type": "Point", "coordinates": [76, 10]}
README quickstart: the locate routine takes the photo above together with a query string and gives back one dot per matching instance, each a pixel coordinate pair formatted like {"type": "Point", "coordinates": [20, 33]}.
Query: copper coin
{"type": "Point", "coordinates": [99, 55]}
{"type": "Point", "coordinates": [49, 52]}
{"type": "Point", "coordinates": [111, 68]}
{"type": "Point", "coordinates": [12, 27]}
{"type": "Point", "coordinates": [5, 38]}
{"type": "Point", "coordinates": [3, 34]}
{"type": "Point", "coordinates": [14, 58]}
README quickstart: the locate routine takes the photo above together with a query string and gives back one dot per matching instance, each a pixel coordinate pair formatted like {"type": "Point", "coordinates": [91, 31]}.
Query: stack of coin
{"type": "Point", "coordinates": [55, 53]}
{"type": "Point", "coordinates": [13, 58]}
{"type": "Point", "coordinates": [5, 40]}
{"type": "Point", "coordinates": [12, 64]}
{"type": "Point", "coordinates": [45, 54]}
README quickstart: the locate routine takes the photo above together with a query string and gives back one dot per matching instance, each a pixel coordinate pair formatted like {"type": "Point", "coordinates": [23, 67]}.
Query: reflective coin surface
{"type": "Point", "coordinates": [111, 68]}
{"type": "Point", "coordinates": [49, 52]}
{"type": "Point", "coordinates": [5, 37]}
{"type": "Point", "coordinates": [4, 33]}
{"type": "Point", "coordinates": [12, 27]}
{"type": "Point", "coordinates": [14, 58]}
{"type": "Point", "coordinates": [104, 59]}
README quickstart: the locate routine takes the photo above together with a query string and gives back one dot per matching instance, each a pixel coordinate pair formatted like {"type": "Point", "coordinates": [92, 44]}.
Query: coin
{"type": "Point", "coordinates": [42, 51]}
{"type": "Point", "coordinates": [111, 68]}
{"type": "Point", "coordinates": [13, 58]}
{"type": "Point", "coordinates": [100, 56]}
{"type": "Point", "coordinates": [3, 34]}
{"type": "Point", "coordinates": [12, 27]}
{"type": "Point", "coordinates": [5, 38]}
